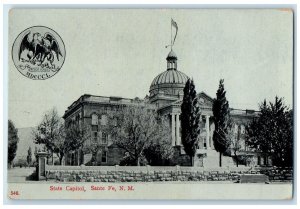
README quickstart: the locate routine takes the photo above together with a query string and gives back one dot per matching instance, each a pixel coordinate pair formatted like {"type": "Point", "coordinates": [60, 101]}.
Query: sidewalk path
{"type": "Point", "coordinates": [18, 175]}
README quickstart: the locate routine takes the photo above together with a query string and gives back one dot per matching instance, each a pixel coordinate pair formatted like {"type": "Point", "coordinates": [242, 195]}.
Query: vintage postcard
{"type": "Point", "coordinates": [175, 104]}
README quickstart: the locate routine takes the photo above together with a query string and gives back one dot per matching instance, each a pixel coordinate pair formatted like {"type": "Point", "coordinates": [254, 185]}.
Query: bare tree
{"type": "Point", "coordinates": [135, 128]}
{"type": "Point", "coordinates": [48, 131]}
{"type": "Point", "coordinates": [76, 134]}
{"type": "Point", "coordinates": [235, 141]}
{"type": "Point", "coordinates": [91, 147]}
{"type": "Point", "coordinates": [57, 137]}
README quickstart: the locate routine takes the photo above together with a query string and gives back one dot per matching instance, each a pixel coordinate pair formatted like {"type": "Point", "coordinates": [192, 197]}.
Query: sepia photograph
{"type": "Point", "coordinates": [131, 103]}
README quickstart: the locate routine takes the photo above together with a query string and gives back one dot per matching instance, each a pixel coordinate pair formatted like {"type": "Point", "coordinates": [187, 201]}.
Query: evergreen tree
{"type": "Point", "coordinates": [29, 157]}
{"type": "Point", "coordinates": [272, 132]}
{"type": "Point", "coordinates": [13, 140]}
{"type": "Point", "coordinates": [35, 153]}
{"type": "Point", "coordinates": [221, 117]}
{"type": "Point", "coordinates": [190, 120]}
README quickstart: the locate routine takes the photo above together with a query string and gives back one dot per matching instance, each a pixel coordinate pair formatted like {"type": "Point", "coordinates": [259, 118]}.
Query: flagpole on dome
{"type": "Point", "coordinates": [171, 35]}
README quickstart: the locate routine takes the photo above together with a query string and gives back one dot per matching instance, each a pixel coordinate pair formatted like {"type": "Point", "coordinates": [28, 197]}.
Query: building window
{"type": "Point", "coordinates": [201, 100]}
{"type": "Point", "coordinates": [94, 128]}
{"type": "Point", "coordinates": [77, 119]}
{"type": "Point", "coordinates": [104, 156]}
{"type": "Point", "coordinates": [104, 138]}
{"type": "Point", "coordinates": [94, 119]}
{"type": "Point", "coordinates": [95, 133]}
{"type": "Point", "coordinates": [115, 121]}
{"type": "Point", "coordinates": [95, 136]}
{"type": "Point", "coordinates": [238, 132]}
{"type": "Point", "coordinates": [103, 120]}
{"type": "Point", "coordinates": [235, 128]}
{"type": "Point", "coordinates": [265, 160]}
{"type": "Point", "coordinates": [242, 129]}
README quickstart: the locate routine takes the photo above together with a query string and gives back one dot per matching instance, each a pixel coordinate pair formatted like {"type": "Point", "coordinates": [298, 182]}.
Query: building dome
{"type": "Point", "coordinates": [169, 77]}
{"type": "Point", "coordinates": [171, 81]}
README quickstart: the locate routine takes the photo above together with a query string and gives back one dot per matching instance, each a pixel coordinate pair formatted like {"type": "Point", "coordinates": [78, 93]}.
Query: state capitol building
{"type": "Point", "coordinates": [165, 96]}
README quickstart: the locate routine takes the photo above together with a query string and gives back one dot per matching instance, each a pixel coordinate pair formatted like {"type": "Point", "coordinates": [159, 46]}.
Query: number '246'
{"type": "Point", "coordinates": [14, 192]}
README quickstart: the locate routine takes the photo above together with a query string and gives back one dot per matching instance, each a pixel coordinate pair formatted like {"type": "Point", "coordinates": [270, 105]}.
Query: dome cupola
{"type": "Point", "coordinates": [171, 61]}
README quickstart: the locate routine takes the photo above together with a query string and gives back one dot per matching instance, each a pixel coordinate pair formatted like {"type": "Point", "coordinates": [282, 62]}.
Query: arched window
{"type": "Point", "coordinates": [94, 119]}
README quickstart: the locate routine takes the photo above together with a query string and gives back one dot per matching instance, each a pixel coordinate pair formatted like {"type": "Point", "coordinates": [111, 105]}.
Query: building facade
{"type": "Point", "coordinates": [166, 94]}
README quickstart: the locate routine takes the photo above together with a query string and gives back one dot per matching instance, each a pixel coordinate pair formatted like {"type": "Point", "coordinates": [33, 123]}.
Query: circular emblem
{"type": "Point", "coordinates": [38, 53]}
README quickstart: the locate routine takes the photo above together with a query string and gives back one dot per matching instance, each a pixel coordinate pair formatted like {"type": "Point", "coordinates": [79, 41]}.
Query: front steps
{"type": "Point", "coordinates": [212, 160]}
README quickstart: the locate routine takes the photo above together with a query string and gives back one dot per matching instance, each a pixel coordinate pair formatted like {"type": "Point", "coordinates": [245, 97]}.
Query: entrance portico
{"type": "Point", "coordinates": [176, 130]}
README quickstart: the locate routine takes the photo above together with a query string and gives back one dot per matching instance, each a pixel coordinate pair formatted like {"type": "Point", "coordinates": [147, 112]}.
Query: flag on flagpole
{"type": "Point", "coordinates": [174, 24]}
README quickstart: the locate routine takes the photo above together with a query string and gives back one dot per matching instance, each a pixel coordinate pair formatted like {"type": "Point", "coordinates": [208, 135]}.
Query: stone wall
{"type": "Point", "coordinates": [278, 175]}
{"type": "Point", "coordinates": [151, 174]}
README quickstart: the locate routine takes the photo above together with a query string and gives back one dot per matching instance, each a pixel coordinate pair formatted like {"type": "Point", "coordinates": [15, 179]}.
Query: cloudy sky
{"type": "Point", "coordinates": [119, 52]}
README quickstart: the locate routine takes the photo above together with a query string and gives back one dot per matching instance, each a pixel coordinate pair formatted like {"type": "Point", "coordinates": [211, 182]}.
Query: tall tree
{"type": "Point", "coordinates": [190, 120]}
{"type": "Point", "coordinates": [57, 137]}
{"type": "Point", "coordinates": [29, 156]}
{"type": "Point", "coordinates": [48, 131]}
{"type": "Point", "coordinates": [35, 153]}
{"type": "Point", "coordinates": [222, 121]}
{"type": "Point", "coordinates": [13, 140]}
{"type": "Point", "coordinates": [135, 128]}
{"type": "Point", "coordinates": [272, 132]}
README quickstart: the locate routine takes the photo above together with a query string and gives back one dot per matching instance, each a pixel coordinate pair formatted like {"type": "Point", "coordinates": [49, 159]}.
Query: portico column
{"type": "Point", "coordinates": [173, 128]}
{"type": "Point", "coordinates": [207, 132]}
{"type": "Point", "coordinates": [178, 138]}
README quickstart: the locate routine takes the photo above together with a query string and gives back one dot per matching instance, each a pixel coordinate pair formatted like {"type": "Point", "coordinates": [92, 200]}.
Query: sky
{"type": "Point", "coordinates": [119, 53]}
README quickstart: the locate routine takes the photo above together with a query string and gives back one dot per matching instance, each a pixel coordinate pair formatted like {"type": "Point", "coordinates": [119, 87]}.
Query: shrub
{"type": "Point", "coordinates": [21, 163]}
{"type": "Point", "coordinates": [56, 162]}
